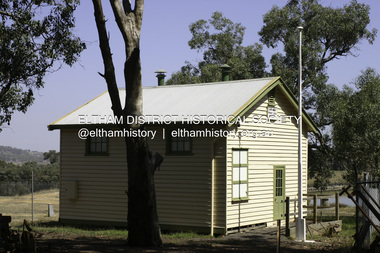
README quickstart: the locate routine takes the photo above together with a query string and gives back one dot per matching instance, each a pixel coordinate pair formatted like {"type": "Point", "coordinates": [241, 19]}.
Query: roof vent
{"type": "Point", "coordinates": [161, 77]}
{"type": "Point", "coordinates": [226, 70]}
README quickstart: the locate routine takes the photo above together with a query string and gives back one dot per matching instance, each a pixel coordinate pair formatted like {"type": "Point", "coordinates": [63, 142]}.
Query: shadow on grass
{"type": "Point", "coordinates": [59, 225]}
{"type": "Point", "coordinates": [260, 240]}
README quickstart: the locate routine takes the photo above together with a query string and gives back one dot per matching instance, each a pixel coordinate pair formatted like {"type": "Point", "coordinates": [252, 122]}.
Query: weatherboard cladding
{"type": "Point", "coordinates": [263, 154]}
{"type": "Point", "coordinates": [183, 183]}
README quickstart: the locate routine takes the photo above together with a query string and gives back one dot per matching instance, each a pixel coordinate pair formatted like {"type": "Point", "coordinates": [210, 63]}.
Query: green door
{"type": "Point", "coordinates": [279, 192]}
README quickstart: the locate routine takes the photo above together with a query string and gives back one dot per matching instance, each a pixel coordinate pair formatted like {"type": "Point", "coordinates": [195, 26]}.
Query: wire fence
{"type": "Point", "coordinates": [34, 200]}
{"type": "Point", "coordinates": [19, 188]}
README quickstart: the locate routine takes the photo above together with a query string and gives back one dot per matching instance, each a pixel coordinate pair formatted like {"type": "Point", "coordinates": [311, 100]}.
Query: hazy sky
{"type": "Point", "coordinates": [164, 38]}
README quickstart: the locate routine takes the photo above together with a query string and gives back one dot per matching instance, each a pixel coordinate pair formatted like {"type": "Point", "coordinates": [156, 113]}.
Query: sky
{"type": "Point", "coordinates": [164, 44]}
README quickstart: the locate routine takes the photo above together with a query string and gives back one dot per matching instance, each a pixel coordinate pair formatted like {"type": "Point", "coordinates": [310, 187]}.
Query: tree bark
{"type": "Point", "coordinates": [143, 226]}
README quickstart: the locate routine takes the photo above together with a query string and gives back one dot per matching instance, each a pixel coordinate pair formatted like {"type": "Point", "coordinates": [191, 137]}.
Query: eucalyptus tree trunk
{"type": "Point", "coordinates": [143, 226]}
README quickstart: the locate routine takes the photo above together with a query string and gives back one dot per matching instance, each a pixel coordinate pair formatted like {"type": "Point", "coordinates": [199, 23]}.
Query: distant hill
{"type": "Point", "coordinates": [16, 155]}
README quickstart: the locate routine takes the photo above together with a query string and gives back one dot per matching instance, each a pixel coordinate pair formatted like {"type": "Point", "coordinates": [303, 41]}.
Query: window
{"type": "Point", "coordinates": [272, 97]}
{"type": "Point", "coordinates": [178, 145]}
{"type": "Point", "coordinates": [97, 146]}
{"type": "Point", "coordinates": [239, 174]}
{"type": "Point", "coordinates": [272, 110]}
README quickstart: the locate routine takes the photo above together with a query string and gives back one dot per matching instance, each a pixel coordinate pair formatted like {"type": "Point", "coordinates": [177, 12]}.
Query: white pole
{"type": "Point", "coordinates": [32, 196]}
{"type": "Point", "coordinates": [301, 226]}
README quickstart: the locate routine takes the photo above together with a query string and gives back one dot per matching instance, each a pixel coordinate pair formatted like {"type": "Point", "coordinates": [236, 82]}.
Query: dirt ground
{"type": "Point", "coordinates": [258, 240]}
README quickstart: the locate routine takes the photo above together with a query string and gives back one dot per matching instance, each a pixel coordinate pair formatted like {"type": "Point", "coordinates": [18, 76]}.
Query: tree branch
{"type": "Point", "coordinates": [109, 69]}
{"type": "Point", "coordinates": [121, 17]}
{"type": "Point", "coordinates": [7, 14]}
{"type": "Point", "coordinates": [139, 7]}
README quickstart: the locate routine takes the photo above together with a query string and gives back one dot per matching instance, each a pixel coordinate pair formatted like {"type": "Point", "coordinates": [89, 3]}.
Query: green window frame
{"type": "Point", "coordinates": [178, 145]}
{"type": "Point", "coordinates": [239, 174]}
{"type": "Point", "coordinates": [97, 146]}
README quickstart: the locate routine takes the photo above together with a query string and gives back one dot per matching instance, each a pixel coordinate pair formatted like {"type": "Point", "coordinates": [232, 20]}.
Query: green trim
{"type": "Point", "coordinates": [240, 182]}
{"type": "Point", "coordinates": [277, 81]}
{"type": "Point", "coordinates": [275, 168]}
{"type": "Point", "coordinates": [259, 95]}
{"type": "Point", "coordinates": [306, 117]}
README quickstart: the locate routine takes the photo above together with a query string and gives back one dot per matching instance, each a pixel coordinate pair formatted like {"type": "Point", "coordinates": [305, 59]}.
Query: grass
{"type": "Point", "coordinates": [345, 236]}
{"type": "Point", "coordinates": [80, 230]}
{"type": "Point", "coordinates": [20, 207]}
{"type": "Point", "coordinates": [104, 232]}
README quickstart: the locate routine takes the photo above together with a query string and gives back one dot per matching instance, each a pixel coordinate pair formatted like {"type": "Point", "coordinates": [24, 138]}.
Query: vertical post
{"type": "Point", "coordinates": [287, 218]}
{"type": "Point", "coordinates": [300, 223]}
{"type": "Point", "coordinates": [337, 206]}
{"type": "Point", "coordinates": [32, 195]}
{"type": "Point", "coordinates": [357, 200]}
{"type": "Point", "coordinates": [315, 218]}
{"type": "Point", "coordinates": [278, 236]}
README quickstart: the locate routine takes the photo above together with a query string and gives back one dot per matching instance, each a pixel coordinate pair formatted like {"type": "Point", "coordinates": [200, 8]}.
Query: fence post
{"type": "Point", "coordinates": [337, 206]}
{"type": "Point", "coordinates": [287, 216]}
{"type": "Point", "coordinates": [315, 208]}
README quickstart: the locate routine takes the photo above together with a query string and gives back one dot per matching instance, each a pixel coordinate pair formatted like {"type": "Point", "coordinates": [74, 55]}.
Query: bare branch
{"type": "Point", "coordinates": [7, 14]}
{"type": "Point", "coordinates": [109, 69]}
{"type": "Point", "coordinates": [139, 8]}
{"type": "Point", "coordinates": [121, 17]}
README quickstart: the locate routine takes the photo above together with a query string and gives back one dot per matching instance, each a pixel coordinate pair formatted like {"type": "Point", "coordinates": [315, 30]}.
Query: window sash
{"type": "Point", "coordinates": [97, 146]}
{"type": "Point", "coordinates": [178, 145]}
{"type": "Point", "coordinates": [239, 174]}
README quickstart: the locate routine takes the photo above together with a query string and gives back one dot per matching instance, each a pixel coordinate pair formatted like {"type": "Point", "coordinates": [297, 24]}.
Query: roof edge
{"type": "Point", "coordinates": [50, 126]}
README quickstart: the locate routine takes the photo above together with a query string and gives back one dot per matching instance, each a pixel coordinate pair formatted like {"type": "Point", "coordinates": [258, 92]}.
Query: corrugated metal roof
{"type": "Point", "coordinates": [177, 101]}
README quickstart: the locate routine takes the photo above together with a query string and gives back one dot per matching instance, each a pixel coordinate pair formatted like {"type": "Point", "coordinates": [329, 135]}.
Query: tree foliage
{"type": "Point", "coordinates": [34, 35]}
{"type": "Point", "coordinates": [356, 128]}
{"type": "Point", "coordinates": [221, 42]}
{"type": "Point", "coordinates": [52, 156]}
{"type": "Point", "coordinates": [328, 34]}
{"type": "Point", "coordinates": [17, 179]}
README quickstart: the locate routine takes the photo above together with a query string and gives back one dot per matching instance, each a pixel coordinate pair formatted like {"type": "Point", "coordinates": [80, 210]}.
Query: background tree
{"type": "Point", "coordinates": [328, 34]}
{"type": "Point", "coordinates": [221, 41]}
{"type": "Point", "coordinates": [356, 134]}
{"type": "Point", "coordinates": [52, 156]}
{"type": "Point", "coordinates": [16, 179]}
{"type": "Point", "coordinates": [143, 226]}
{"type": "Point", "coordinates": [30, 44]}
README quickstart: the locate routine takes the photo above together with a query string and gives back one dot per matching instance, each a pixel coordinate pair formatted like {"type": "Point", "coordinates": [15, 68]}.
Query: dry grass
{"type": "Point", "coordinates": [20, 207]}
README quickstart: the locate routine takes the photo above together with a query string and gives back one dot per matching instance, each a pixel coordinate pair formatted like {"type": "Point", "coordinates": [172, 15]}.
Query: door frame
{"type": "Point", "coordinates": [275, 200]}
